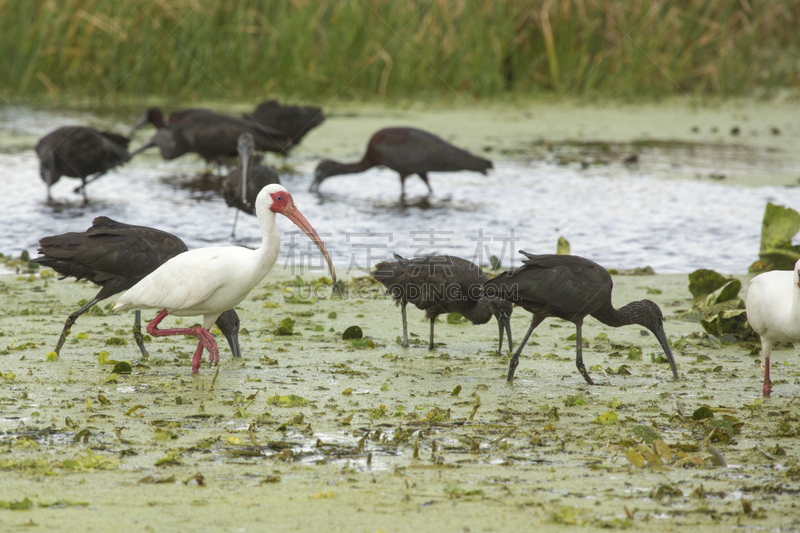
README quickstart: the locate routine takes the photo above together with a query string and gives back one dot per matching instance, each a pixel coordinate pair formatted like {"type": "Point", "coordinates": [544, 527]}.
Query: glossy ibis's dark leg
{"type": "Point", "coordinates": [88, 180]}
{"type": "Point", "coordinates": [579, 356]}
{"type": "Point", "coordinates": [71, 320]}
{"type": "Point", "coordinates": [206, 340]}
{"type": "Point", "coordinates": [137, 333]}
{"type": "Point", "coordinates": [235, 218]}
{"type": "Point", "coordinates": [512, 366]}
{"type": "Point", "coordinates": [403, 186]}
{"type": "Point", "coordinates": [500, 348]}
{"type": "Point", "coordinates": [430, 344]}
{"type": "Point", "coordinates": [508, 330]}
{"type": "Point", "coordinates": [424, 177]}
{"type": "Point", "coordinates": [767, 351]}
{"type": "Point", "coordinates": [405, 323]}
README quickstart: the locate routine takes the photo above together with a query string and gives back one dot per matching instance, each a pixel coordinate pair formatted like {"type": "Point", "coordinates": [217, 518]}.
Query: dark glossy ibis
{"type": "Point", "coordinates": [440, 284]}
{"type": "Point", "coordinates": [79, 152]}
{"type": "Point", "coordinates": [116, 256]}
{"type": "Point", "coordinates": [155, 117]}
{"type": "Point", "coordinates": [406, 151]}
{"type": "Point", "coordinates": [208, 281]}
{"type": "Point", "coordinates": [571, 288]}
{"type": "Point", "coordinates": [211, 135]}
{"type": "Point", "coordinates": [293, 121]}
{"type": "Point", "coordinates": [773, 310]}
{"type": "Point", "coordinates": [241, 187]}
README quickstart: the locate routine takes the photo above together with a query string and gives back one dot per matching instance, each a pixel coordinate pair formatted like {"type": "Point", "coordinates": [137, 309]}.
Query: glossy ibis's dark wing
{"type": "Point", "coordinates": [567, 287]}
{"type": "Point", "coordinates": [432, 282]}
{"type": "Point", "coordinates": [293, 121]}
{"type": "Point", "coordinates": [180, 114]}
{"type": "Point", "coordinates": [118, 140]}
{"type": "Point", "coordinates": [411, 151]}
{"type": "Point", "coordinates": [109, 249]}
{"type": "Point", "coordinates": [214, 134]}
{"type": "Point", "coordinates": [440, 155]}
{"type": "Point", "coordinates": [80, 151]}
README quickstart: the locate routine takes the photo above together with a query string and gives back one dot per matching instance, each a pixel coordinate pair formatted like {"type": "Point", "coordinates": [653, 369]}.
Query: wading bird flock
{"type": "Point", "coordinates": [157, 272]}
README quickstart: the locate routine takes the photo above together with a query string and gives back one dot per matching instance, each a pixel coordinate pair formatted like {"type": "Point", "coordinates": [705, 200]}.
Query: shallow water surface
{"type": "Point", "coordinates": [618, 214]}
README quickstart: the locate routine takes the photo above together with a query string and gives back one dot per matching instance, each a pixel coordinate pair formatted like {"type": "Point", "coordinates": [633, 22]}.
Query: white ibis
{"type": "Point", "coordinates": [443, 284]}
{"type": "Point", "coordinates": [773, 310]}
{"type": "Point", "coordinates": [116, 256]}
{"type": "Point", "coordinates": [571, 288]}
{"type": "Point", "coordinates": [207, 281]}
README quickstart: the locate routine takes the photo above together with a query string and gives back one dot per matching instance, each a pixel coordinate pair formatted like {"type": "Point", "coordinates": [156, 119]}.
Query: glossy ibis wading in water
{"type": "Point", "coordinates": [241, 187]}
{"type": "Point", "coordinates": [440, 284]}
{"type": "Point", "coordinates": [406, 151]}
{"type": "Point", "coordinates": [773, 310]}
{"type": "Point", "coordinates": [155, 117]}
{"type": "Point", "coordinates": [571, 288]}
{"type": "Point", "coordinates": [208, 281]}
{"type": "Point", "coordinates": [116, 256]}
{"type": "Point", "coordinates": [79, 152]}
{"type": "Point", "coordinates": [213, 136]}
{"type": "Point", "coordinates": [293, 121]}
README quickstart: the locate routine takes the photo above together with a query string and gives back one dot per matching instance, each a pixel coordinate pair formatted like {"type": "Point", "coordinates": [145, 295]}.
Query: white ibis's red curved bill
{"type": "Point", "coordinates": [292, 213]}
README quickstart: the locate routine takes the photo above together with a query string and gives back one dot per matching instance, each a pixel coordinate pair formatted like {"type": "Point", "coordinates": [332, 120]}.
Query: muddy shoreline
{"type": "Point", "coordinates": [382, 438]}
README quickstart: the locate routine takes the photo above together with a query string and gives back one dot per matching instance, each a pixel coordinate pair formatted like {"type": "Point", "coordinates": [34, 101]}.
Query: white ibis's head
{"type": "Point", "coordinates": [277, 199]}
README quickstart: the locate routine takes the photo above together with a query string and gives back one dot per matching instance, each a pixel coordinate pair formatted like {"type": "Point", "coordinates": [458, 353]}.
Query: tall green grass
{"type": "Point", "coordinates": [395, 49]}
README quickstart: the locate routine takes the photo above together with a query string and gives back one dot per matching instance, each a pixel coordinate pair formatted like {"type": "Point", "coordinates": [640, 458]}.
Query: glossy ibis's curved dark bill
{"type": "Point", "coordinates": [571, 288]}
{"type": "Point", "coordinates": [116, 256]}
{"type": "Point", "coordinates": [241, 187]}
{"type": "Point", "coordinates": [407, 151]}
{"type": "Point", "coordinates": [504, 323]}
{"type": "Point", "coordinates": [441, 284]}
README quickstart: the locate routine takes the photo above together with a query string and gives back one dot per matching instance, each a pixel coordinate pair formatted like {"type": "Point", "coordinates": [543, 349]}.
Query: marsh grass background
{"type": "Point", "coordinates": [62, 50]}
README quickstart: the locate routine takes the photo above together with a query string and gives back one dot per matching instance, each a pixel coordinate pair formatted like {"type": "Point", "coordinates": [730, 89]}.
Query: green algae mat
{"type": "Point", "coordinates": [315, 432]}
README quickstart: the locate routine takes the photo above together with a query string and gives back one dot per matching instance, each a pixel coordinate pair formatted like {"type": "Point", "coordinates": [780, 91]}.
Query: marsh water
{"type": "Point", "coordinates": [312, 432]}
{"type": "Point", "coordinates": [689, 196]}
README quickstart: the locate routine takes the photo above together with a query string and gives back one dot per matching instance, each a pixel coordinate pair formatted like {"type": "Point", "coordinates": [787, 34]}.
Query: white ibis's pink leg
{"type": "Point", "coordinates": [205, 338]}
{"type": "Point", "coordinates": [211, 344]}
{"type": "Point", "coordinates": [767, 382]}
{"type": "Point", "coordinates": [198, 357]}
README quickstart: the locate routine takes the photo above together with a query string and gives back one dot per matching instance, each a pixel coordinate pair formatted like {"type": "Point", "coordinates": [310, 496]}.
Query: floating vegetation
{"type": "Point", "coordinates": [779, 227]}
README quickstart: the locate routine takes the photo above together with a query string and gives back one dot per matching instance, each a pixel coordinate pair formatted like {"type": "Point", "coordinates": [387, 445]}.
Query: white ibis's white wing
{"type": "Point", "coordinates": [185, 281]}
